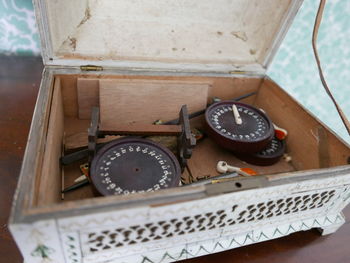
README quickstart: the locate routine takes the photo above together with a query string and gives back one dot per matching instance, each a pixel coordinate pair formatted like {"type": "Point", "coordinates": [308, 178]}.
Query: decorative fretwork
{"type": "Point", "coordinates": [70, 243]}
{"type": "Point", "coordinates": [125, 236]}
{"type": "Point", "coordinates": [222, 244]}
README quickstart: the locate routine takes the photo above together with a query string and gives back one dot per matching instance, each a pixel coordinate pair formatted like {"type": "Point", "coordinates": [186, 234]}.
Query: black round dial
{"type": "Point", "coordinates": [251, 134]}
{"type": "Point", "coordinates": [133, 165]}
{"type": "Point", "coordinates": [268, 156]}
{"type": "Point", "coordinates": [275, 147]}
{"type": "Point", "coordinates": [253, 126]}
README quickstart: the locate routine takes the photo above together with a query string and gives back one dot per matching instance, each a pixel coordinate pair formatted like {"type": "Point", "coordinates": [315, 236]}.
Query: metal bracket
{"type": "Point", "coordinates": [186, 141]}
{"type": "Point", "coordinates": [93, 132]}
{"type": "Point", "coordinates": [237, 184]}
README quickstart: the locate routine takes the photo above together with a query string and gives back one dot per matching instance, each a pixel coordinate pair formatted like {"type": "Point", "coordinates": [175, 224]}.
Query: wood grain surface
{"type": "Point", "coordinates": [19, 83]}
{"type": "Point", "coordinates": [88, 96]}
{"type": "Point", "coordinates": [122, 96]}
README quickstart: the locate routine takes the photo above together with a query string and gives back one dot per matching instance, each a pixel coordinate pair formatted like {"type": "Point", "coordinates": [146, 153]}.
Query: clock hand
{"type": "Point", "coordinates": [238, 118]}
{"type": "Point", "coordinates": [198, 113]}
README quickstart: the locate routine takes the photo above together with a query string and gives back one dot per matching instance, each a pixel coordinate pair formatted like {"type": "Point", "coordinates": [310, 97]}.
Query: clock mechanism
{"type": "Point", "coordinates": [238, 127]}
{"type": "Point", "coordinates": [136, 164]}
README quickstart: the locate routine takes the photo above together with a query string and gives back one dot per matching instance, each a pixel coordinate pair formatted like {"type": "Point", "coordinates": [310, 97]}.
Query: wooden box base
{"type": "Point", "coordinates": [304, 143]}
{"type": "Point", "coordinates": [315, 184]}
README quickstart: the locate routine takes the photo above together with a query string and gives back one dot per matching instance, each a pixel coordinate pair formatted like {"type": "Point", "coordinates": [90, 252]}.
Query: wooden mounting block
{"type": "Point", "coordinates": [186, 141]}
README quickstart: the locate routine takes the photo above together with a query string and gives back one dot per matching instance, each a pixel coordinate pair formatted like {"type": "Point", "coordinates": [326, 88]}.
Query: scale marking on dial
{"type": "Point", "coordinates": [268, 156]}
{"type": "Point", "coordinates": [251, 135]}
{"type": "Point", "coordinates": [223, 115]}
{"type": "Point", "coordinates": [272, 147]}
{"type": "Point", "coordinates": [134, 165]}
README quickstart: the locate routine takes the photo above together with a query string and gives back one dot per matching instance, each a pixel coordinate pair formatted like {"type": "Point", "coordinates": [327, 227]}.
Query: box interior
{"type": "Point", "coordinates": [310, 145]}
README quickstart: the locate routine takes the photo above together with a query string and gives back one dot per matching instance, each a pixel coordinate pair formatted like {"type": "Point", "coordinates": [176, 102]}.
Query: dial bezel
{"type": "Point", "coordinates": [264, 160]}
{"type": "Point", "coordinates": [96, 162]}
{"type": "Point", "coordinates": [237, 144]}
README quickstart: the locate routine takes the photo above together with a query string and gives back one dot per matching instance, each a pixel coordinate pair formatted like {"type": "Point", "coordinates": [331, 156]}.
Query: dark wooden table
{"type": "Point", "coordinates": [19, 84]}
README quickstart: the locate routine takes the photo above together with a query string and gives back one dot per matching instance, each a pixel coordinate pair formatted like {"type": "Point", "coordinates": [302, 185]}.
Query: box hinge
{"type": "Point", "coordinates": [91, 68]}
{"type": "Point", "coordinates": [238, 72]}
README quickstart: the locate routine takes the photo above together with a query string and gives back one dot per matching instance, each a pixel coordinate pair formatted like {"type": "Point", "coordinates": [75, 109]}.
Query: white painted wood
{"type": "Point", "coordinates": [39, 242]}
{"type": "Point", "coordinates": [224, 34]}
{"type": "Point", "coordinates": [213, 241]}
{"type": "Point", "coordinates": [296, 207]}
{"type": "Point", "coordinates": [209, 244]}
{"type": "Point", "coordinates": [154, 66]}
{"type": "Point", "coordinates": [330, 229]}
{"type": "Point", "coordinates": [25, 188]}
{"type": "Point", "coordinates": [64, 17]}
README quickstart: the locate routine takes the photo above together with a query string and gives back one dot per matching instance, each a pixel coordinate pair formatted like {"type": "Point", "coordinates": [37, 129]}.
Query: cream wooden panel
{"type": "Point", "coordinates": [225, 32]}
{"type": "Point", "coordinates": [64, 17]}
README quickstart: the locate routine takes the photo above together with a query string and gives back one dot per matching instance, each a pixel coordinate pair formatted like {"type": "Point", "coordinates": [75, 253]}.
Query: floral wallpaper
{"type": "Point", "coordinates": [293, 67]}
{"type": "Point", "coordinates": [18, 33]}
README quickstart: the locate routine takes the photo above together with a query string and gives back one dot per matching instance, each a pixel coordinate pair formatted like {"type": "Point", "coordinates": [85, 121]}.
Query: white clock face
{"type": "Point", "coordinates": [253, 128]}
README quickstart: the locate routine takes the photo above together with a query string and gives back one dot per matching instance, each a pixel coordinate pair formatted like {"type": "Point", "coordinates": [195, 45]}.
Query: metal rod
{"type": "Point", "coordinates": [78, 155]}
{"type": "Point", "coordinates": [75, 186]}
{"type": "Point", "coordinates": [198, 113]}
{"type": "Point", "coordinates": [215, 179]}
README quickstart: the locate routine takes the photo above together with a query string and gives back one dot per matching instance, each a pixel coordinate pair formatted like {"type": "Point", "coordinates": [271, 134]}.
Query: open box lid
{"type": "Point", "coordinates": [186, 35]}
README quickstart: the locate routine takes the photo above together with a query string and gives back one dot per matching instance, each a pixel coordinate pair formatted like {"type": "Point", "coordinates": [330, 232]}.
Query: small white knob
{"type": "Point", "coordinates": [224, 167]}
{"type": "Point", "coordinates": [80, 178]}
{"type": "Point", "coordinates": [221, 167]}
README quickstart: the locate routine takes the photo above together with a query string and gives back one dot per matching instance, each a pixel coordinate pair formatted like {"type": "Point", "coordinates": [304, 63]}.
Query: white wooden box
{"type": "Point", "coordinates": [226, 44]}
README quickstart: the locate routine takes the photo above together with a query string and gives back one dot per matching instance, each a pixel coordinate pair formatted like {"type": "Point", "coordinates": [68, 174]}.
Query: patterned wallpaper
{"type": "Point", "coordinates": [293, 67]}
{"type": "Point", "coordinates": [18, 33]}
